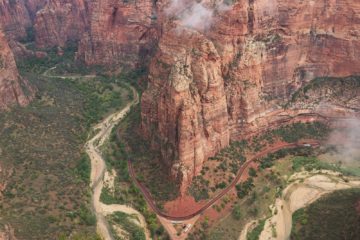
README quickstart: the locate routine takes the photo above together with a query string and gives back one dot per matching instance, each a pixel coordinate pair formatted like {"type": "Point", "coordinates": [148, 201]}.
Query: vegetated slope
{"type": "Point", "coordinates": [46, 172]}
{"type": "Point", "coordinates": [334, 216]}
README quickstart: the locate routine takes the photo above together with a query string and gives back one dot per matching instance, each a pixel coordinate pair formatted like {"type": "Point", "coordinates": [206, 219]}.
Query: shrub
{"type": "Point", "coordinates": [236, 212]}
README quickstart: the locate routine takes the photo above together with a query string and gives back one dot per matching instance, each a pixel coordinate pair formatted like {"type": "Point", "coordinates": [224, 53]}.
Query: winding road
{"type": "Point", "coordinates": [242, 169]}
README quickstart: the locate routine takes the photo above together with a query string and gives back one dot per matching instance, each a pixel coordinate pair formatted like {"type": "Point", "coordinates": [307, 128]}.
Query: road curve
{"type": "Point", "coordinates": [242, 169]}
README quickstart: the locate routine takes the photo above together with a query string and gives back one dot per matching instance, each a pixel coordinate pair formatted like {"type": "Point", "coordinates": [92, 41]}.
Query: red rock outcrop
{"type": "Point", "coordinates": [189, 111]}
{"type": "Point", "coordinates": [60, 21]}
{"type": "Point", "coordinates": [258, 54]}
{"type": "Point", "coordinates": [14, 18]}
{"type": "Point", "coordinates": [13, 89]}
{"type": "Point", "coordinates": [117, 31]}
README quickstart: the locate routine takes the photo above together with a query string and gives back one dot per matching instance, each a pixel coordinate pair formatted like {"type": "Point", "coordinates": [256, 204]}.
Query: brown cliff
{"type": "Point", "coordinates": [261, 53]}
{"type": "Point", "coordinates": [13, 89]}
{"type": "Point", "coordinates": [118, 30]}
{"type": "Point", "coordinates": [14, 18]}
{"type": "Point", "coordinates": [60, 21]}
{"type": "Point", "coordinates": [189, 111]}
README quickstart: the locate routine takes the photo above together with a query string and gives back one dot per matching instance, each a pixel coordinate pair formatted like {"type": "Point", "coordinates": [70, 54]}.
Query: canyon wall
{"type": "Point", "coordinates": [13, 89]}
{"type": "Point", "coordinates": [15, 18]}
{"type": "Point", "coordinates": [118, 32]}
{"type": "Point", "coordinates": [257, 55]}
{"type": "Point", "coordinates": [110, 33]}
{"type": "Point", "coordinates": [60, 21]}
{"type": "Point", "coordinates": [186, 102]}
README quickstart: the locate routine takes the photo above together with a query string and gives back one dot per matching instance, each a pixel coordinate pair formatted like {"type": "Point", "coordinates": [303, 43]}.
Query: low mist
{"type": "Point", "coordinates": [347, 142]}
{"type": "Point", "coordinates": [197, 15]}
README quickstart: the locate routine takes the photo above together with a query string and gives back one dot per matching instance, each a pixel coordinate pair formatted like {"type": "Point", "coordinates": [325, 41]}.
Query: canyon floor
{"type": "Point", "coordinates": [104, 195]}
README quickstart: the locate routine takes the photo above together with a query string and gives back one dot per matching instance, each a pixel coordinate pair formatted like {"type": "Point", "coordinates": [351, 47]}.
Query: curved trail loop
{"type": "Point", "coordinates": [98, 166]}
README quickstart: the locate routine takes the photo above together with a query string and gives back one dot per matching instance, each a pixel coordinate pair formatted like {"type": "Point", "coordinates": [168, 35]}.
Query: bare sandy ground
{"type": "Point", "coordinates": [246, 229]}
{"type": "Point", "coordinates": [98, 168]}
{"type": "Point", "coordinates": [109, 180]}
{"type": "Point", "coordinates": [169, 226]}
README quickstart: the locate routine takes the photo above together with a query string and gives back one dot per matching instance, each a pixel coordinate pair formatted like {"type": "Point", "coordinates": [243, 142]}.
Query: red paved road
{"type": "Point", "coordinates": [152, 204]}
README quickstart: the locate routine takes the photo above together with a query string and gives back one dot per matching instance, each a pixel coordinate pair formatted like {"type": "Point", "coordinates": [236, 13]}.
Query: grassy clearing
{"type": "Point", "coordinates": [47, 196]}
{"type": "Point", "coordinates": [334, 216]}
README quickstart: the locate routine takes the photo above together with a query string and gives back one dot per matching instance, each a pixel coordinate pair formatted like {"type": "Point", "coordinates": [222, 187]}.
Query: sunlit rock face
{"type": "Point", "coordinates": [184, 108]}
{"type": "Point", "coordinates": [61, 21]}
{"type": "Point", "coordinates": [14, 18]}
{"type": "Point", "coordinates": [13, 89]}
{"type": "Point", "coordinates": [118, 32]}
{"type": "Point", "coordinates": [234, 74]}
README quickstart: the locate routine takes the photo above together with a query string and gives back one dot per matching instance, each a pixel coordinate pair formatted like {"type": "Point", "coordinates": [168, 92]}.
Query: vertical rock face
{"type": "Point", "coordinates": [13, 89]}
{"type": "Point", "coordinates": [14, 18]}
{"type": "Point", "coordinates": [117, 31]}
{"type": "Point", "coordinates": [60, 21]}
{"type": "Point", "coordinates": [185, 102]}
{"type": "Point", "coordinates": [258, 54]}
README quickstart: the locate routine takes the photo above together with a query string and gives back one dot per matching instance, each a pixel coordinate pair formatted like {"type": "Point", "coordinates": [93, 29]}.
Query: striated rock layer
{"type": "Point", "coordinates": [13, 89]}
{"type": "Point", "coordinates": [14, 18]}
{"type": "Point", "coordinates": [117, 32]}
{"type": "Point", "coordinates": [235, 78]}
{"type": "Point", "coordinates": [189, 111]}
{"type": "Point", "coordinates": [60, 21]}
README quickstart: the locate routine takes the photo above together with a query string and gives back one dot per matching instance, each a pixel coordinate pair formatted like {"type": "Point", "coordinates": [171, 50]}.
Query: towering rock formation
{"type": "Point", "coordinates": [13, 89]}
{"type": "Point", "coordinates": [60, 21]}
{"type": "Point", "coordinates": [189, 111]}
{"type": "Point", "coordinates": [118, 29]}
{"type": "Point", "coordinates": [256, 55]}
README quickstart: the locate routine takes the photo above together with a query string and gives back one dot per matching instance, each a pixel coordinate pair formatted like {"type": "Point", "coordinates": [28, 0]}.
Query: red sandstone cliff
{"type": "Point", "coordinates": [13, 89]}
{"type": "Point", "coordinates": [60, 21]}
{"type": "Point", "coordinates": [118, 29]}
{"type": "Point", "coordinates": [14, 18]}
{"type": "Point", "coordinates": [257, 54]}
{"type": "Point", "coordinates": [186, 102]}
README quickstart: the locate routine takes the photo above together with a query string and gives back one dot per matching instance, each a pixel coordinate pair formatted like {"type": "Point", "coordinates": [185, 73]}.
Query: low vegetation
{"type": "Point", "coordinates": [47, 195]}
{"type": "Point", "coordinates": [334, 216]}
{"type": "Point", "coordinates": [221, 169]}
{"type": "Point", "coordinates": [116, 153]}
{"type": "Point", "coordinates": [254, 234]}
{"type": "Point", "coordinates": [334, 87]}
{"type": "Point", "coordinates": [126, 223]}
{"type": "Point", "coordinates": [267, 180]}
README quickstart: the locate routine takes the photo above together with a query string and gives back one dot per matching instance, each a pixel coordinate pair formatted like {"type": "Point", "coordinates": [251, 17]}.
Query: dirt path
{"type": "Point", "coordinates": [98, 168]}
{"type": "Point", "coordinates": [47, 74]}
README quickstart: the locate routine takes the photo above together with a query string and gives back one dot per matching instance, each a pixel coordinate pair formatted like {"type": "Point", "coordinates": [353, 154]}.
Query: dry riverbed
{"type": "Point", "coordinates": [304, 188]}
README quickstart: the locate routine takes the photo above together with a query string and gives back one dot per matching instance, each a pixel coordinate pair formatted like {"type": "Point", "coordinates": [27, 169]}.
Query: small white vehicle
{"type": "Point", "coordinates": [187, 228]}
